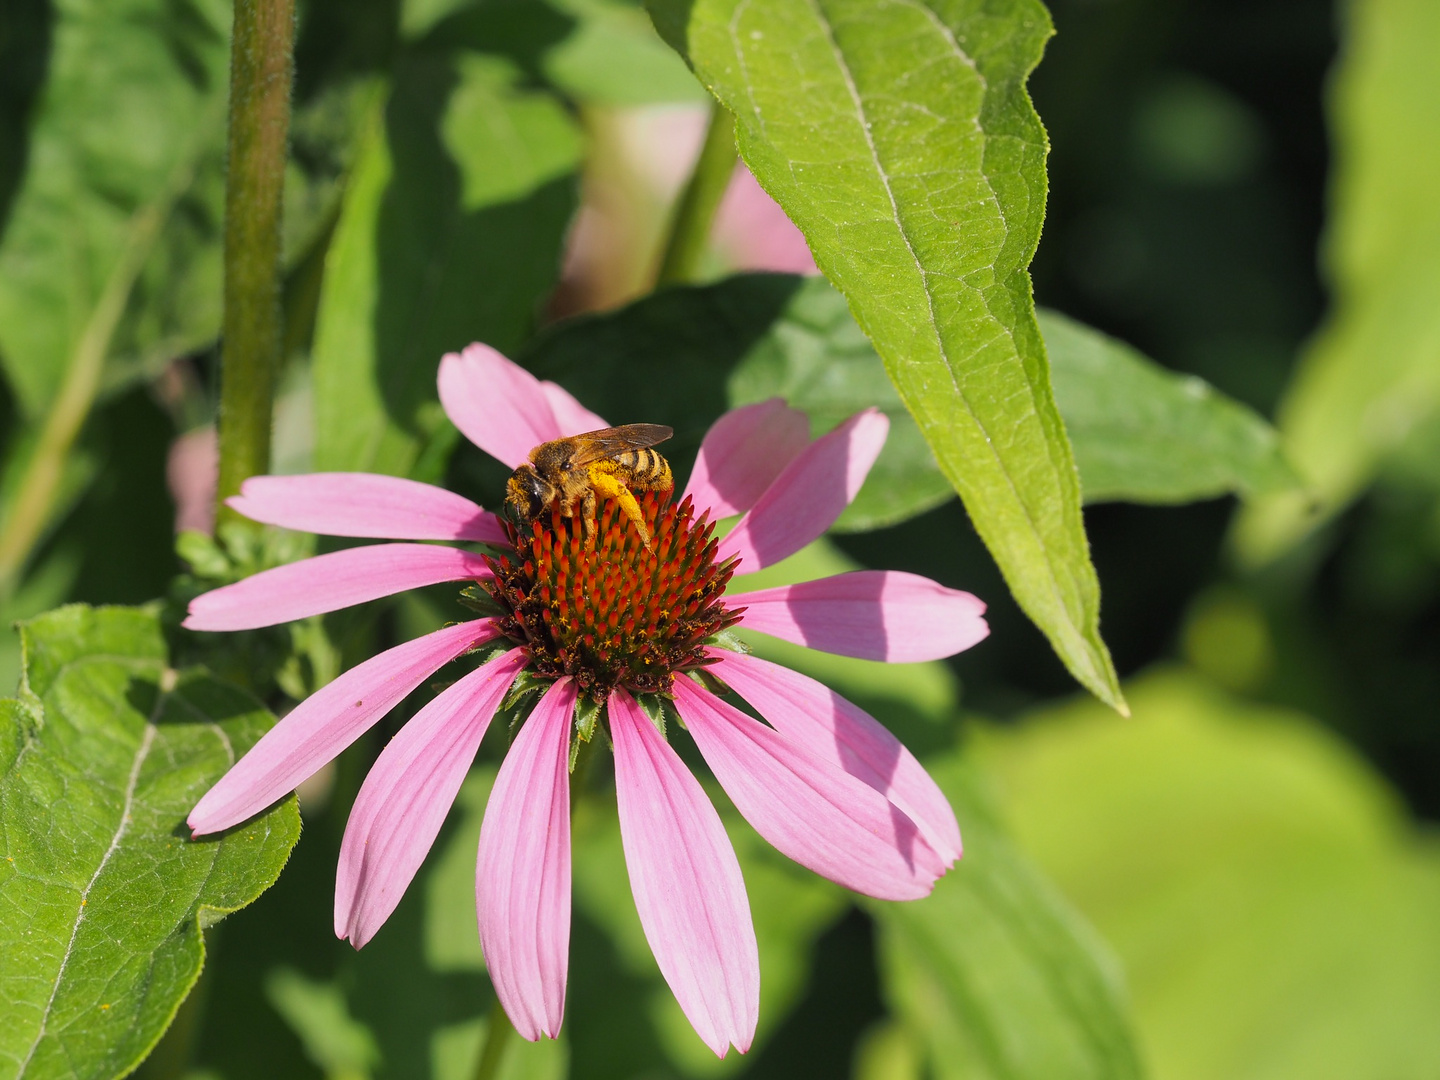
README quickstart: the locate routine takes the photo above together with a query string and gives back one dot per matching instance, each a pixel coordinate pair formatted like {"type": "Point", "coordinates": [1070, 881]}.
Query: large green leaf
{"type": "Point", "coordinates": [1140, 433]}
{"type": "Point", "coordinates": [995, 972]}
{"type": "Point", "coordinates": [132, 106]}
{"type": "Point", "coordinates": [902, 142]}
{"type": "Point", "coordinates": [450, 233]}
{"type": "Point", "coordinates": [1274, 908]}
{"type": "Point", "coordinates": [1144, 434]}
{"type": "Point", "coordinates": [101, 757]}
{"type": "Point", "coordinates": [1372, 374]}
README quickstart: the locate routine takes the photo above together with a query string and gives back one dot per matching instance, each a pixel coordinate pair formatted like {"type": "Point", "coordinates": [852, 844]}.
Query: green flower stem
{"type": "Point", "coordinates": [497, 1037]}
{"type": "Point", "coordinates": [695, 212]}
{"type": "Point", "coordinates": [261, 69]}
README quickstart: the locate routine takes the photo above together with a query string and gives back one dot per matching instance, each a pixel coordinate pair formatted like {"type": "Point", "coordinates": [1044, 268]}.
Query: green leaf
{"type": "Point", "coordinates": [1140, 433]}
{"type": "Point", "coordinates": [1144, 434]}
{"type": "Point", "coordinates": [336, 1042]}
{"type": "Point", "coordinates": [816, 358]}
{"type": "Point", "coordinates": [902, 142]}
{"type": "Point", "coordinates": [450, 233]}
{"type": "Point", "coordinates": [133, 102]}
{"type": "Point", "coordinates": [614, 58]}
{"type": "Point", "coordinates": [111, 250]}
{"type": "Point", "coordinates": [1272, 903]}
{"type": "Point", "coordinates": [101, 757]}
{"type": "Point", "coordinates": [1371, 375]}
{"type": "Point", "coordinates": [623, 364]}
{"type": "Point", "coordinates": [995, 972]}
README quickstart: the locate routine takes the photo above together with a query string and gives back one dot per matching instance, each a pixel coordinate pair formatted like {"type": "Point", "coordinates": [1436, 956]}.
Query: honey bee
{"type": "Point", "coordinates": [613, 462]}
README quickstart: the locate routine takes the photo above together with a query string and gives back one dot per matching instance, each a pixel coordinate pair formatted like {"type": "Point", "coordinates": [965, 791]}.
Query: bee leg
{"type": "Point", "coordinates": [613, 487]}
{"type": "Point", "coordinates": [587, 514]}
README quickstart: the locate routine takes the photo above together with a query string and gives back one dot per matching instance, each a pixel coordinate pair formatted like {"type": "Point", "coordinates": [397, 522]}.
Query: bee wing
{"type": "Point", "coordinates": [608, 442]}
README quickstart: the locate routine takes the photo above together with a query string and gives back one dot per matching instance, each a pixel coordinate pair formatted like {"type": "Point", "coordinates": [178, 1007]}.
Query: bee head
{"type": "Point", "coordinates": [527, 494]}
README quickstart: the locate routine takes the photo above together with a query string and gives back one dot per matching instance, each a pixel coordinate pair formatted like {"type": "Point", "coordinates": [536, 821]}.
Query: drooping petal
{"type": "Point", "coordinates": [329, 583]}
{"type": "Point", "coordinates": [327, 722]}
{"type": "Point", "coordinates": [809, 494]}
{"type": "Point", "coordinates": [496, 404]}
{"type": "Point", "coordinates": [743, 452]}
{"type": "Point", "coordinates": [522, 875]}
{"type": "Point", "coordinates": [810, 713]}
{"type": "Point", "coordinates": [873, 614]}
{"type": "Point", "coordinates": [807, 807]}
{"type": "Point", "coordinates": [407, 794]}
{"type": "Point", "coordinates": [365, 504]}
{"type": "Point", "coordinates": [687, 883]}
{"type": "Point", "coordinates": [573, 418]}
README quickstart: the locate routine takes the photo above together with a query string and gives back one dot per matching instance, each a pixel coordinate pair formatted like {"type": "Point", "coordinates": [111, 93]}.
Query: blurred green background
{"type": "Point", "coordinates": [1241, 189]}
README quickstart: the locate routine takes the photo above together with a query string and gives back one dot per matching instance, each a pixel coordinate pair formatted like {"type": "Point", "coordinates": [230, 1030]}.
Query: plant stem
{"type": "Point", "coordinates": [695, 211]}
{"type": "Point", "coordinates": [497, 1036]}
{"type": "Point", "coordinates": [261, 68]}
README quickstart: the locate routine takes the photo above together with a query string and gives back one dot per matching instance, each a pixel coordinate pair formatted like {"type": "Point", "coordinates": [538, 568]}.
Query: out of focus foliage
{"type": "Point", "coordinates": [1238, 224]}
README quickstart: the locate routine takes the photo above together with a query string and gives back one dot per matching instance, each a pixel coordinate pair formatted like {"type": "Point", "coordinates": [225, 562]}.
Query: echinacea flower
{"type": "Point", "coordinates": [608, 618]}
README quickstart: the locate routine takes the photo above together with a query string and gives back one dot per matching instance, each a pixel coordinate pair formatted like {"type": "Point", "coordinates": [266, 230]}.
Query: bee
{"type": "Point", "coordinates": [613, 462]}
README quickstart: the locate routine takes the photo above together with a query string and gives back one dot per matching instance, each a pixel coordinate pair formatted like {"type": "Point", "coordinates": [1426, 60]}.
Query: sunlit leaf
{"type": "Point", "coordinates": [1274, 909]}
{"type": "Point", "coordinates": [902, 142]}
{"type": "Point", "coordinates": [1140, 433]}
{"type": "Point", "coordinates": [1143, 434]}
{"type": "Point", "coordinates": [102, 756]}
{"type": "Point", "coordinates": [450, 233]}
{"type": "Point", "coordinates": [995, 972]}
{"type": "Point", "coordinates": [1372, 374]}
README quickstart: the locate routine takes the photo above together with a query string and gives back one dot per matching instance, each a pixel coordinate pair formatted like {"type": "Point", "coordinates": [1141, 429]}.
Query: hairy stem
{"type": "Point", "coordinates": [261, 68]}
{"type": "Point", "coordinates": [695, 210]}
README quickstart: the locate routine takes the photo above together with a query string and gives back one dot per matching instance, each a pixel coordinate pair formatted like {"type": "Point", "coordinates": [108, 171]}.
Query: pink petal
{"type": "Point", "coordinates": [328, 583]}
{"type": "Point", "coordinates": [872, 614]}
{"type": "Point", "coordinates": [498, 405]}
{"type": "Point", "coordinates": [687, 883]}
{"type": "Point", "coordinates": [407, 794]}
{"type": "Point", "coordinates": [366, 504]}
{"type": "Point", "coordinates": [327, 722]}
{"type": "Point", "coordinates": [810, 713]}
{"type": "Point", "coordinates": [809, 494]}
{"type": "Point", "coordinates": [807, 807]}
{"type": "Point", "coordinates": [522, 876]}
{"type": "Point", "coordinates": [573, 418]}
{"type": "Point", "coordinates": [743, 452]}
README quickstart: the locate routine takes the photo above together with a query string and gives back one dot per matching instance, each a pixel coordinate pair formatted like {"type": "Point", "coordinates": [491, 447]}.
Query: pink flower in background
{"type": "Point", "coordinates": [823, 782]}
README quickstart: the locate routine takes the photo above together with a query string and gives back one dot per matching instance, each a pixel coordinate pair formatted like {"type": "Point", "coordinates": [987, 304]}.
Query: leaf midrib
{"type": "Point", "coordinates": [141, 753]}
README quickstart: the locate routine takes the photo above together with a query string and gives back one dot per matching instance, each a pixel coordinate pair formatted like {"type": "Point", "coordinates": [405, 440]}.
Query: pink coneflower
{"type": "Point", "coordinates": [607, 618]}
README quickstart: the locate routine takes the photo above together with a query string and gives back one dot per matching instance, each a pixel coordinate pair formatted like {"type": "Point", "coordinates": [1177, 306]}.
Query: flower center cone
{"type": "Point", "coordinates": [607, 611]}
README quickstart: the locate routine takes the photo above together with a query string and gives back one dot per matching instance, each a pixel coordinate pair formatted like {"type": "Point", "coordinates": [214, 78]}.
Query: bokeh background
{"type": "Point", "coordinates": [1254, 849]}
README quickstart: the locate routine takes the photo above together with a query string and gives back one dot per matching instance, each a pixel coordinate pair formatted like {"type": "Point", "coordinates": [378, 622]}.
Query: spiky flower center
{"type": "Point", "coordinates": [605, 610]}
